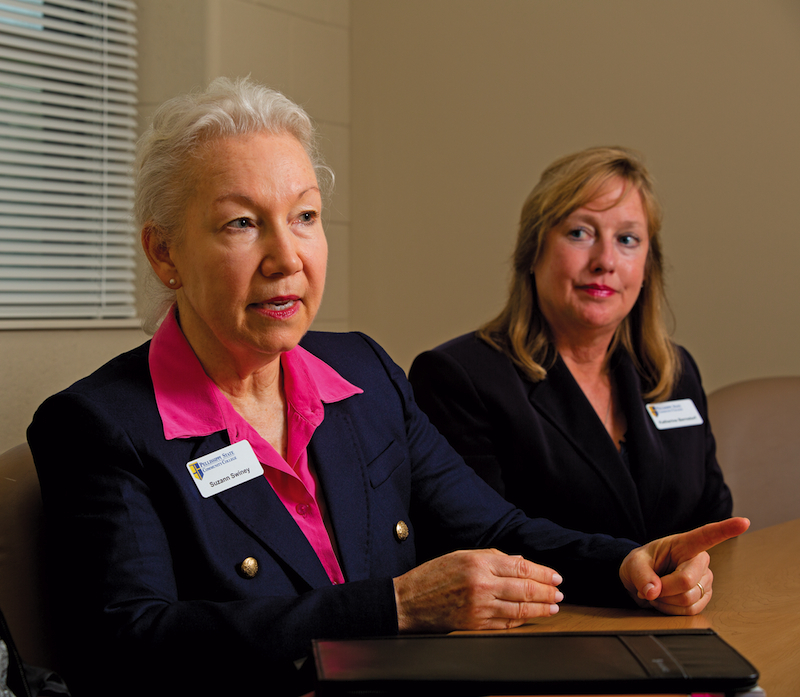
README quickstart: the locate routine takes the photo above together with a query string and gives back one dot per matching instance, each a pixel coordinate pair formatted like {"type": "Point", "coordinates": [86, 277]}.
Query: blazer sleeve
{"type": "Point", "coordinates": [115, 554]}
{"type": "Point", "coordinates": [444, 391]}
{"type": "Point", "coordinates": [463, 504]}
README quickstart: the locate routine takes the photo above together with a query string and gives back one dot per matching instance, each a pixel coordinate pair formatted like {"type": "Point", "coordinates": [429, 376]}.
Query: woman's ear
{"type": "Point", "coordinates": [158, 254]}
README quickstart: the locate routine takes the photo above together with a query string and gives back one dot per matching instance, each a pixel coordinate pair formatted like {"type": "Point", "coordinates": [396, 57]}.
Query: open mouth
{"type": "Point", "coordinates": [280, 304]}
{"type": "Point", "coordinates": [279, 307]}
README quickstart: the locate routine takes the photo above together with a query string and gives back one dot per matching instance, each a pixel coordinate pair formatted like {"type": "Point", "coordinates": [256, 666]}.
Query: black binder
{"type": "Point", "coordinates": [558, 663]}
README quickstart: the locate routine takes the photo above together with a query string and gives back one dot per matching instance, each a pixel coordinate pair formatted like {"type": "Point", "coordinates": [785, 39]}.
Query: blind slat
{"type": "Point", "coordinates": [16, 288]}
{"type": "Point", "coordinates": [47, 81]}
{"type": "Point", "coordinates": [58, 80]}
{"type": "Point", "coordinates": [55, 273]}
{"type": "Point", "coordinates": [55, 297]}
{"type": "Point", "coordinates": [94, 112]}
{"type": "Point", "coordinates": [91, 262]}
{"type": "Point", "coordinates": [19, 147]}
{"type": "Point", "coordinates": [52, 166]}
{"type": "Point", "coordinates": [86, 212]}
{"type": "Point", "coordinates": [80, 127]}
{"type": "Point", "coordinates": [80, 226]}
{"type": "Point", "coordinates": [87, 201]}
{"type": "Point", "coordinates": [39, 94]}
{"type": "Point", "coordinates": [53, 312]}
{"type": "Point", "coordinates": [119, 9]}
{"type": "Point", "coordinates": [122, 142]}
{"type": "Point", "coordinates": [10, 188]}
{"type": "Point", "coordinates": [88, 64]}
{"type": "Point", "coordinates": [62, 175]}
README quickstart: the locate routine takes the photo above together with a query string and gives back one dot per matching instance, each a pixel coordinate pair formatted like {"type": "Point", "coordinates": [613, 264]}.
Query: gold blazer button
{"type": "Point", "coordinates": [249, 568]}
{"type": "Point", "coordinates": [401, 531]}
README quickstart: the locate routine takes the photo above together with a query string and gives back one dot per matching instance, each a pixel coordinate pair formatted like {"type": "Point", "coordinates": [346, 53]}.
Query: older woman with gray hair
{"type": "Point", "coordinates": [239, 485]}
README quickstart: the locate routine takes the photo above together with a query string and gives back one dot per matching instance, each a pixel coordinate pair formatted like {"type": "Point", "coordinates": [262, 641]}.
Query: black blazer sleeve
{"type": "Point", "coordinates": [463, 410]}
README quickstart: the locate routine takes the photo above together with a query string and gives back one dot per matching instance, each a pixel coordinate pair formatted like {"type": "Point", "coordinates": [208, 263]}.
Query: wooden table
{"type": "Point", "coordinates": [755, 607]}
{"type": "Point", "coordinates": [756, 603]}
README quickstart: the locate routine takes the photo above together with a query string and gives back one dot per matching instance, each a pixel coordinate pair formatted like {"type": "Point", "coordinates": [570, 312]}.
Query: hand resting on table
{"type": "Point", "coordinates": [487, 589]}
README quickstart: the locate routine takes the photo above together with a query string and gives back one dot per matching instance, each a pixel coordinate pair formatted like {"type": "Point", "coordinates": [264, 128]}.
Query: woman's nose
{"type": "Point", "coordinates": [604, 257]}
{"type": "Point", "coordinates": [281, 254]}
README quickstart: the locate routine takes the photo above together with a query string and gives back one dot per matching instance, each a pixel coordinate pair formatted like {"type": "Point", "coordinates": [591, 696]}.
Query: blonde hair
{"type": "Point", "coordinates": [521, 331]}
{"type": "Point", "coordinates": [179, 130]}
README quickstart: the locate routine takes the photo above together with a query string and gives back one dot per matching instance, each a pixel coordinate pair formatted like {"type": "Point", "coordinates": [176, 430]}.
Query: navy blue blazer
{"type": "Point", "coordinates": [149, 572]}
{"type": "Point", "coordinates": [543, 447]}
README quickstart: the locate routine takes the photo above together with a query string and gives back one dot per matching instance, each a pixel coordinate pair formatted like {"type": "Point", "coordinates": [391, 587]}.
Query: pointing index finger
{"type": "Point", "coordinates": [701, 539]}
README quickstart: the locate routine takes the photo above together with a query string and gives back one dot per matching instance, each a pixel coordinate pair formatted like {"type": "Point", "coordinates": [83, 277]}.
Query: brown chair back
{"type": "Point", "coordinates": [22, 582]}
{"type": "Point", "coordinates": [756, 426]}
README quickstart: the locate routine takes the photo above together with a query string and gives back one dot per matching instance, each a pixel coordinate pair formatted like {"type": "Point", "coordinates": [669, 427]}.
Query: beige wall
{"type": "Point", "coordinates": [458, 105]}
{"type": "Point", "coordinates": [299, 46]}
{"type": "Point", "coordinates": [438, 116]}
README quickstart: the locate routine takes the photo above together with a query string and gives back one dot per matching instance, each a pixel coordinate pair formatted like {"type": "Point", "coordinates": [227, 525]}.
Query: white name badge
{"type": "Point", "coordinates": [225, 468]}
{"type": "Point", "coordinates": [678, 413]}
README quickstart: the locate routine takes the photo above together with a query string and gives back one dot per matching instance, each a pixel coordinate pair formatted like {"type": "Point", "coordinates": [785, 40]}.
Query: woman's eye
{"type": "Point", "coordinates": [240, 223]}
{"type": "Point", "coordinates": [307, 217]}
{"type": "Point", "coordinates": [577, 234]}
{"type": "Point", "coordinates": [629, 240]}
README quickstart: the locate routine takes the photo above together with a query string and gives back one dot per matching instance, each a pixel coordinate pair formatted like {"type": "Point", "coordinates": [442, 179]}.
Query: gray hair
{"type": "Point", "coordinates": [179, 129]}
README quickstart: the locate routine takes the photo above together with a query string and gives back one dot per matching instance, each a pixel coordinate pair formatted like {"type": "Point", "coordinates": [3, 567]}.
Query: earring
{"type": "Point", "coordinates": [172, 281]}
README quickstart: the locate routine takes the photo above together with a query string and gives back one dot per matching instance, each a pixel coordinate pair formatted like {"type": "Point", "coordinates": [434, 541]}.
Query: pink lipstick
{"type": "Point", "coordinates": [280, 307]}
{"type": "Point", "coordinates": [597, 290]}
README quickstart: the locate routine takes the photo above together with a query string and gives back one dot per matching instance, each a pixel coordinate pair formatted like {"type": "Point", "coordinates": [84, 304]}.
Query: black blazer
{"type": "Point", "coordinates": [542, 446]}
{"type": "Point", "coordinates": [149, 572]}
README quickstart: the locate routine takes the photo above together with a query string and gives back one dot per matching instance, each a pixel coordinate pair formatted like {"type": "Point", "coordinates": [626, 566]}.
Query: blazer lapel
{"type": "Point", "coordinates": [341, 470]}
{"type": "Point", "coordinates": [257, 507]}
{"type": "Point", "coordinates": [648, 460]}
{"type": "Point", "coordinates": [336, 457]}
{"type": "Point", "coordinates": [560, 400]}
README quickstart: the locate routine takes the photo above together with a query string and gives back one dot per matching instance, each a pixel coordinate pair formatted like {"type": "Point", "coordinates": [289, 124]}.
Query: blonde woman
{"type": "Point", "coordinates": [573, 402]}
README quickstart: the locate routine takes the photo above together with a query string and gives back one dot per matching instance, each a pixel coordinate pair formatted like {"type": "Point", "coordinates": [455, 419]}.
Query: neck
{"type": "Point", "coordinates": [589, 365]}
{"type": "Point", "coordinates": [236, 370]}
{"type": "Point", "coordinates": [258, 396]}
{"type": "Point", "coordinates": [252, 382]}
{"type": "Point", "coordinates": [588, 360]}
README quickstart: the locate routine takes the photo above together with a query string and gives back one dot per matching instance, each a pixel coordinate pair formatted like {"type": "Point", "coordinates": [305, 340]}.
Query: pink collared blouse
{"type": "Point", "coordinates": [191, 405]}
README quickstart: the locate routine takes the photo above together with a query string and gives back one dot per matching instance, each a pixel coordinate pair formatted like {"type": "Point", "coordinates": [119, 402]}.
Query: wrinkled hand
{"type": "Point", "coordinates": [665, 573]}
{"type": "Point", "coordinates": [475, 589]}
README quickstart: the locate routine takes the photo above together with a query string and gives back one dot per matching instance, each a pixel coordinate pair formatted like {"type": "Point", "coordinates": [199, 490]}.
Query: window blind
{"type": "Point", "coordinates": [67, 136]}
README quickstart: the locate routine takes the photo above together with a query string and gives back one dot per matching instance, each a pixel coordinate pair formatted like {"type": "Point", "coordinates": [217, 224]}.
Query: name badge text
{"type": "Point", "coordinates": [678, 413]}
{"type": "Point", "coordinates": [225, 468]}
